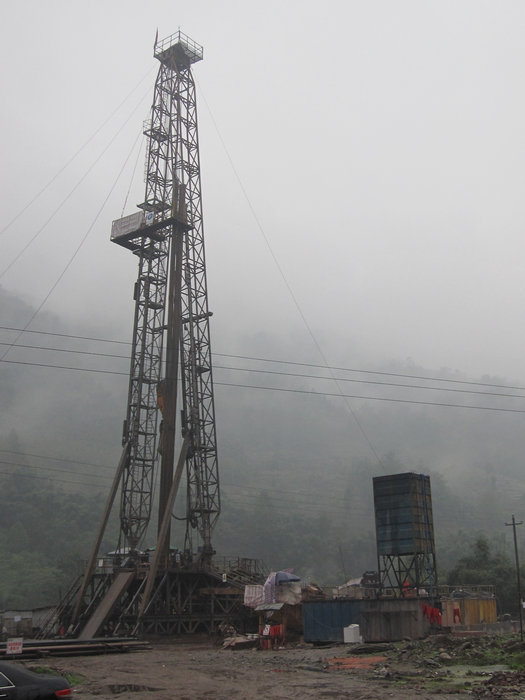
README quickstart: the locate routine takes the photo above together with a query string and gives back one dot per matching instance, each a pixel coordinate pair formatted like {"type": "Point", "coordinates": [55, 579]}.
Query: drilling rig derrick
{"type": "Point", "coordinates": [170, 362]}
{"type": "Point", "coordinates": [171, 326]}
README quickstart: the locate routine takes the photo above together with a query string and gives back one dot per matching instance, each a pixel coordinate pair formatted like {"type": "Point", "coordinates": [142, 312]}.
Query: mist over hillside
{"type": "Point", "coordinates": [296, 458]}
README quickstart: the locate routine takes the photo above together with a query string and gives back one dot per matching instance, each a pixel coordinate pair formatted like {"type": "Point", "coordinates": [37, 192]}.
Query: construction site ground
{"type": "Point", "coordinates": [441, 666]}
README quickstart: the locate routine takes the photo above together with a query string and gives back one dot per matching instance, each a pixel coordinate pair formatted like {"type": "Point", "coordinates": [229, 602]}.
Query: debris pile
{"type": "Point", "coordinates": [488, 666]}
{"type": "Point", "coordinates": [502, 684]}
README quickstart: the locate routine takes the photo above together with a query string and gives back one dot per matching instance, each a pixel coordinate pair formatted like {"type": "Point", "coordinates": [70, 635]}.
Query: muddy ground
{"type": "Point", "coordinates": [440, 667]}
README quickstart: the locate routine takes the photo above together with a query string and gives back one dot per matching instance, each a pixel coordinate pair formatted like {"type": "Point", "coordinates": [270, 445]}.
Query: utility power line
{"type": "Point", "coordinates": [64, 335]}
{"type": "Point", "coordinates": [68, 196]}
{"type": "Point", "coordinates": [47, 478]}
{"type": "Point", "coordinates": [54, 469]}
{"type": "Point", "coordinates": [57, 459]}
{"type": "Point", "coordinates": [241, 487]}
{"type": "Point", "coordinates": [309, 392]}
{"type": "Point", "coordinates": [72, 158]}
{"type": "Point", "coordinates": [278, 373]}
{"type": "Point", "coordinates": [373, 398]}
{"type": "Point", "coordinates": [74, 369]}
{"type": "Point", "coordinates": [277, 495]}
{"type": "Point", "coordinates": [302, 505]}
{"type": "Point", "coordinates": [307, 507]}
{"type": "Point", "coordinates": [245, 499]}
{"type": "Point", "coordinates": [270, 360]}
{"type": "Point", "coordinates": [89, 353]}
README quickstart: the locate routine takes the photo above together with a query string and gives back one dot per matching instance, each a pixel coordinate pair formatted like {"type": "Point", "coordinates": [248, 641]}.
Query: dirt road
{"type": "Point", "coordinates": [198, 671]}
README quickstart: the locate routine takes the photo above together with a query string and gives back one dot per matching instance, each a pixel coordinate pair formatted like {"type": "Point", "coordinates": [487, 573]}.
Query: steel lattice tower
{"type": "Point", "coordinates": [171, 339]}
{"type": "Point", "coordinates": [171, 309]}
{"type": "Point", "coordinates": [165, 592]}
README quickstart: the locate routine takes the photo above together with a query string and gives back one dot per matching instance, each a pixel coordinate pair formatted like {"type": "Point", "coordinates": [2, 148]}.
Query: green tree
{"type": "Point", "coordinates": [44, 536]}
{"type": "Point", "coordinates": [483, 566]}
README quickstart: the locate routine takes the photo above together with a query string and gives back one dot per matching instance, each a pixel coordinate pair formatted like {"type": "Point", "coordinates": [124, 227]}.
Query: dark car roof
{"type": "Point", "coordinates": [18, 675]}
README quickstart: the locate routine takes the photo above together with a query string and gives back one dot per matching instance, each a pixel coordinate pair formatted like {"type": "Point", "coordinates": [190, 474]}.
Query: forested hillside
{"type": "Point", "coordinates": [296, 463]}
{"type": "Point", "coordinates": [43, 530]}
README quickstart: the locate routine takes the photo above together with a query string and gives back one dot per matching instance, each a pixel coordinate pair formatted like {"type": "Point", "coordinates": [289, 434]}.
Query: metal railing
{"type": "Point", "coordinates": [467, 591]}
{"type": "Point", "coordinates": [241, 568]}
{"type": "Point", "coordinates": [193, 50]}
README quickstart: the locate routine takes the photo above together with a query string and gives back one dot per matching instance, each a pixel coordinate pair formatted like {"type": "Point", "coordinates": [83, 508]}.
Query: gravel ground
{"type": "Point", "coordinates": [191, 671]}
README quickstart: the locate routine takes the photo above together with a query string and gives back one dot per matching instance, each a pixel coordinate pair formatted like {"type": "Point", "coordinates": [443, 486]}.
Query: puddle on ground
{"type": "Point", "coordinates": [465, 671]}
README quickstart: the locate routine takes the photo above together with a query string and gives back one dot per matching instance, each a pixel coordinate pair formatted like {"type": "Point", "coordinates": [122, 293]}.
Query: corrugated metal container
{"type": "Point", "coordinates": [403, 514]}
{"type": "Point", "coordinates": [325, 620]}
{"type": "Point", "coordinates": [393, 620]}
{"type": "Point", "coordinates": [378, 620]}
{"type": "Point", "coordinates": [468, 611]}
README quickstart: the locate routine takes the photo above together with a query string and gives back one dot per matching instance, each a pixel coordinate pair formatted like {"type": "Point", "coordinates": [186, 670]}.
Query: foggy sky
{"type": "Point", "coordinates": [380, 145]}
